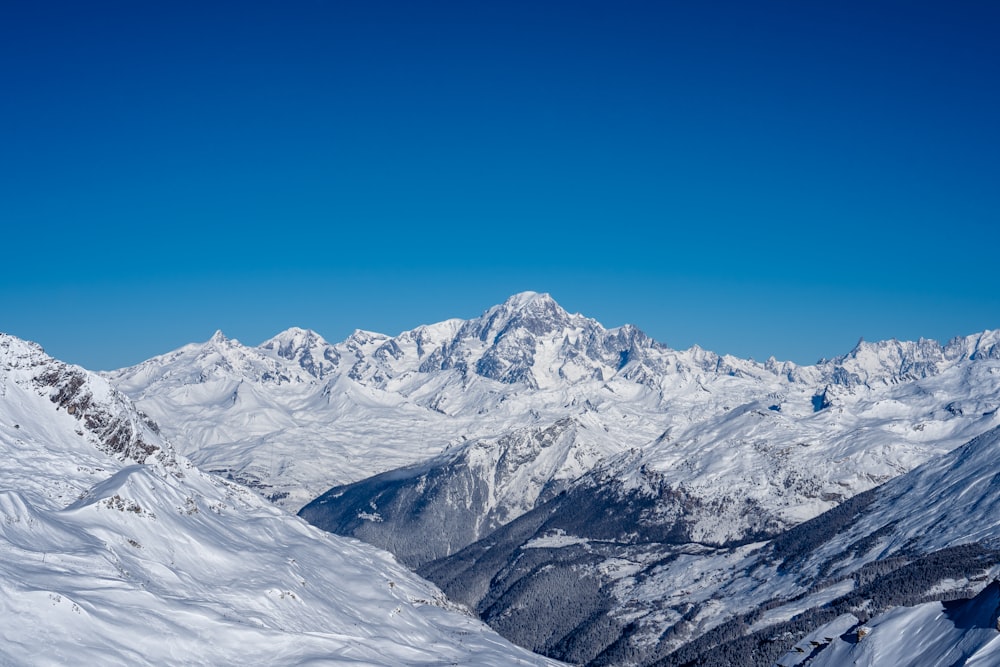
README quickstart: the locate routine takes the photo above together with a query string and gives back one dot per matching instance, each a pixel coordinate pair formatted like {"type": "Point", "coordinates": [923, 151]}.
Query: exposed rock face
{"type": "Point", "coordinates": [117, 433]}
{"type": "Point", "coordinates": [104, 414]}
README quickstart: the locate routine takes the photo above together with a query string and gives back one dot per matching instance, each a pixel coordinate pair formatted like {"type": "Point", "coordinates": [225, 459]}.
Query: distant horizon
{"type": "Point", "coordinates": [776, 179]}
{"type": "Point", "coordinates": [256, 343]}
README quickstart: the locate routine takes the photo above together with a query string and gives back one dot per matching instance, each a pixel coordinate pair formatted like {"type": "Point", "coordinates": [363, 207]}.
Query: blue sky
{"type": "Point", "coordinates": [761, 178]}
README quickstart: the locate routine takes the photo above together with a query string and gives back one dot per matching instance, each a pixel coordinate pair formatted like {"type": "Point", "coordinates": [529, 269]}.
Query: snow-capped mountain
{"type": "Point", "coordinates": [114, 550]}
{"type": "Point", "coordinates": [297, 415]}
{"type": "Point", "coordinates": [279, 417]}
{"type": "Point", "coordinates": [759, 447]}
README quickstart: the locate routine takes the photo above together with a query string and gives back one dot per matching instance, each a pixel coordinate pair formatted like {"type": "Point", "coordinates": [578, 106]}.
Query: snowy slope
{"type": "Point", "coordinates": [115, 550]}
{"type": "Point", "coordinates": [944, 504]}
{"type": "Point", "coordinates": [961, 632]}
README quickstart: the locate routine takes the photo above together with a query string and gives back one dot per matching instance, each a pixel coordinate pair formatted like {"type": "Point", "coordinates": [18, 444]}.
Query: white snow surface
{"type": "Point", "coordinates": [104, 560]}
{"type": "Point", "coordinates": [927, 635]}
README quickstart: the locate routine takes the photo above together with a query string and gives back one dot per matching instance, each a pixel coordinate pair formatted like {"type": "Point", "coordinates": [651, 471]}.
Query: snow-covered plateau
{"type": "Point", "coordinates": [601, 498]}
{"type": "Point", "coordinates": [115, 550]}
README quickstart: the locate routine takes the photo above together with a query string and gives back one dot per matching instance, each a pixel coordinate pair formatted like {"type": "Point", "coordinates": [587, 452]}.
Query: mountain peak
{"type": "Point", "coordinates": [982, 345]}
{"type": "Point", "coordinates": [306, 348]}
{"type": "Point", "coordinates": [533, 311]}
{"type": "Point", "coordinates": [524, 299]}
{"type": "Point", "coordinates": [296, 331]}
{"type": "Point", "coordinates": [13, 349]}
{"type": "Point", "coordinates": [293, 337]}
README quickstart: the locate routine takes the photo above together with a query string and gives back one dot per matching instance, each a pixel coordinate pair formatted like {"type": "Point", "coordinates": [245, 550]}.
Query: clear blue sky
{"type": "Point", "coordinates": [760, 178]}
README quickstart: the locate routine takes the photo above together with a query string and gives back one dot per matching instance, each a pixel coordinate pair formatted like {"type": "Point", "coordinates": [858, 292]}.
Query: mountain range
{"type": "Point", "coordinates": [599, 497]}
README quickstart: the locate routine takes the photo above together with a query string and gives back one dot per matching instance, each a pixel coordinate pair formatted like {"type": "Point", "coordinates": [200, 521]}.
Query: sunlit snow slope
{"type": "Point", "coordinates": [958, 632]}
{"type": "Point", "coordinates": [116, 551]}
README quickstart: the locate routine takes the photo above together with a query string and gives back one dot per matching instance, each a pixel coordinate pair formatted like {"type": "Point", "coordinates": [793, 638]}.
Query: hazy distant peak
{"type": "Point", "coordinates": [218, 337]}
{"type": "Point", "coordinates": [523, 299]}
{"type": "Point", "coordinates": [293, 337]}
{"type": "Point", "coordinates": [982, 345]}
{"type": "Point", "coordinates": [537, 313]}
{"type": "Point", "coordinates": [292, 332]}
{"type": "Point", "coordinates": [364, 337]}
{"type": "Point", "coordinates": [534, 303]}
{"type": "Point", "coordinates": [306, 348]}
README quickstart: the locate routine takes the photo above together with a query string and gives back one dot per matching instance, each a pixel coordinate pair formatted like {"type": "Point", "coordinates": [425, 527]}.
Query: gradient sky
{"type": "Point", "coordinates": [761, 178]}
